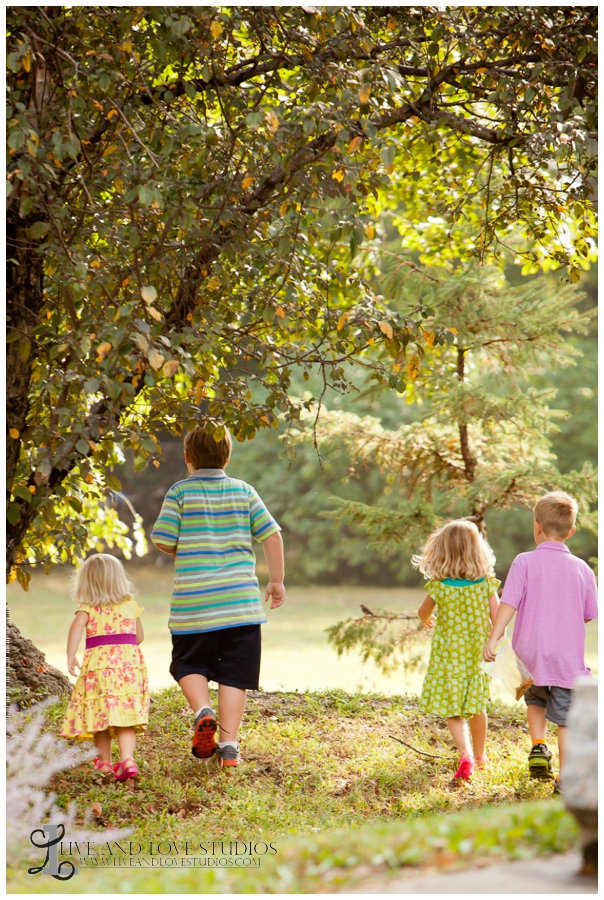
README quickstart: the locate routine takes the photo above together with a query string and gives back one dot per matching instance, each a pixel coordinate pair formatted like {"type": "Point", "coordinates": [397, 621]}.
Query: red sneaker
{"type": "Point", "coordinates": [204, 736]}
{"type": "Point", "coordinates": [466, 768]}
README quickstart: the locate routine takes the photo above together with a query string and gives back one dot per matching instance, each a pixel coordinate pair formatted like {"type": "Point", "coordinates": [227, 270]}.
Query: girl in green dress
{"type": "Point", "coordinates": [459, 565]}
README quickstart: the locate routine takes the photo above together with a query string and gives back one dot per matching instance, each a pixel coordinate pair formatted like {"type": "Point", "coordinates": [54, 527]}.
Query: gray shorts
{"type": "Point", "coordinates": [554, 700]}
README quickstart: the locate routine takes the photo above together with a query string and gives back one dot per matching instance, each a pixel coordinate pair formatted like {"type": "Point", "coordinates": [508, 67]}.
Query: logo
{"type": "Point", "coordinates": [51, 865]}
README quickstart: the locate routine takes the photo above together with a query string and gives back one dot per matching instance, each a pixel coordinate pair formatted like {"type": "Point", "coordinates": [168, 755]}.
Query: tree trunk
{"type": "Point", "coordinates": [29, 676]}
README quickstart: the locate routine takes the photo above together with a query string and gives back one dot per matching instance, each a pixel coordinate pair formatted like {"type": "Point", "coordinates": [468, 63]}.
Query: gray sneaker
{"type": "Point", "coordinates": [228, 756]}
{"type": "Point", "coordinates": [204, 735]}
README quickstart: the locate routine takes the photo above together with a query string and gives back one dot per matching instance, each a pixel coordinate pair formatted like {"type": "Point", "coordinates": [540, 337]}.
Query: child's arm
{"type": "Point", "coordinates": [73, 641]}
{"type": "Point", "coordinates": [140, 634]}
{"type": "Point", "coordinates": [502, 619]}
{"type": "Point", "coordinates": [273, 554]}
{"type": "Point", "coordinates": [169, 550]}
{"type": "Point", "coordinates": [493, 606]}
{"type": "Point", "coordinates": [425, 611]}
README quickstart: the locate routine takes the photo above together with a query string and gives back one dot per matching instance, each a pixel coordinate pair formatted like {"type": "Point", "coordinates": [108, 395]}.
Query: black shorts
{"type": "Point", "coordinates": [230, 656]}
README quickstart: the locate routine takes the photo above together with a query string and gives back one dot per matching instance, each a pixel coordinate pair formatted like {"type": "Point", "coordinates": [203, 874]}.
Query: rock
{"type": "Point", "coordinates": [580, 773]}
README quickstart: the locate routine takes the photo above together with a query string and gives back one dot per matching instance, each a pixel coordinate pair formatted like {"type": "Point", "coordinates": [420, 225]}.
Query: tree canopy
{"type": "Point", "coordinates": [194, 207]}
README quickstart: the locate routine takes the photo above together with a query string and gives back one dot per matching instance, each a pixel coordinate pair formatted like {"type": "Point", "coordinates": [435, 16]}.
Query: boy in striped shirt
{"type": "Point", "coordinates": [207, 522]}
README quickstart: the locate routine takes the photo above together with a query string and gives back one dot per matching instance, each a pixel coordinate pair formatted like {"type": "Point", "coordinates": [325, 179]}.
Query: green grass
{"type": "Point", "coordinates": [296, 655]}
{"type": "Point", "coordinates": [324, 782]}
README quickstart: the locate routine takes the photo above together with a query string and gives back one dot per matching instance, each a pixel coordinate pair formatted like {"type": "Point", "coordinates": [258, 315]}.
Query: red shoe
{"type": "Point", "coordinates": [204, 736]}
{"type": "Point", "coordinates": [127, 768]}
{"type": "Point", "coordinates": [466, 768]}
{"type": "Point", "coordinates": [102, 768]}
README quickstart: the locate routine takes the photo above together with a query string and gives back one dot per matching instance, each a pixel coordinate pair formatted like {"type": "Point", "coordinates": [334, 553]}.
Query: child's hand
{"type": "Point", "coordinates": [429, 623]}
{"type": "Point", "coordinates": [489, 653]}
{"type": "Point", "coordinates": [277, 592]}
{"type": "Point", "coordinates": [72, 665]}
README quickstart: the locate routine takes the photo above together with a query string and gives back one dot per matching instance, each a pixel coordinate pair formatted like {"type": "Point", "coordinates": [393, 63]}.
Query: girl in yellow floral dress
{"type": "Point", "coordinates": [111, 696]}
{"type": "Point", "coordinates": [459, 565]}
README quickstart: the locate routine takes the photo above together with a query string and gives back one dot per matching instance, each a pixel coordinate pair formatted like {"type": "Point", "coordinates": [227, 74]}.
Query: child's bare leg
{"type": "Point", "coordinates": [561, 744]}
{"type": "Point", "coordinates": [102, 742]}
{"type": "Point", "coordinates": [537, 723]}
{"type": "Point", "coordinates": [231, 704]}
{"type": "Point", "coordinates": [127, 740]}
{"type": "Point", "coordinates": [459, 732]}
{"type": "Point", "coordinates": [196, 691]}
{"type": "Point", "coordinates": [478, 730]}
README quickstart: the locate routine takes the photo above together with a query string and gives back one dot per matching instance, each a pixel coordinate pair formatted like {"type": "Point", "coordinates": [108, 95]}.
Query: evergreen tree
{"type": "Point", "coordinates": [483, 442]}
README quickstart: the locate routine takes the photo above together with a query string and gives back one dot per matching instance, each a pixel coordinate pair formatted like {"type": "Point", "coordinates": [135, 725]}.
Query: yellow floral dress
{"type": "Point", "coordinates": [455, 684]}
{"type": "Point", "coordinates": [112, 688]}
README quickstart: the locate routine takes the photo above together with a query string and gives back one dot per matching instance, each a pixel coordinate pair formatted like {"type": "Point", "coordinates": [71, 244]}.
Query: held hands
{"type": "Point", "coordinates": [489, 652]}
{"type": "Point", "coordinates": [275, 590]}
{"type": "Point", "coordinates": [72, 665]}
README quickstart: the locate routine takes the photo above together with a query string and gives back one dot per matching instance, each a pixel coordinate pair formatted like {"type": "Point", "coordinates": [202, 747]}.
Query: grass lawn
{"type": "Point", "coordinates": [322, 781]}
{"type": "Point", "coordinates": [296, 655]}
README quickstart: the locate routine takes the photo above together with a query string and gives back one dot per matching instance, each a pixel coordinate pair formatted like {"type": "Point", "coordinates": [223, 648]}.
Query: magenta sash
{"type": "Point", "coordinates": [110, 639]}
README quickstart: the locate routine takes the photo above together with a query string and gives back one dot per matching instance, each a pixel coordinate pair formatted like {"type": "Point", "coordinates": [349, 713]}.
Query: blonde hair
{"type": "Point", "coordinates": [457, 550]}
{"type": "Point", "coordinates": [101, 581]}
{"type": "Point", "coordinates": [556, 512]}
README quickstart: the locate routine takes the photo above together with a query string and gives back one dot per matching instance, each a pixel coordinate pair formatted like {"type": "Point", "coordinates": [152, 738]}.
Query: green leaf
{"type": "Point", "coordinates": [112, 482]}
{"type": "Point", "coordinates": [13, 513]}
{"type": "Point", "coordinates": [25, 349]}
{"type": "Point", "coordinates": [146, 195]}
{"type": "Point", "coordinates": [38, 229]}
{"type": "Point", "coordinates": [83, 447]}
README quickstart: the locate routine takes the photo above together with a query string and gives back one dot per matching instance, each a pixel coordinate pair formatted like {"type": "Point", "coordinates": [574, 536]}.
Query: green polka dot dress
{"type": "Point", "coordinates": [455, 685]}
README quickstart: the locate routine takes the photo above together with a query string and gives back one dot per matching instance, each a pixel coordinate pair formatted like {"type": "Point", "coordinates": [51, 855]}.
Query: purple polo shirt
{"type": "Point", "coordinates": [554, 592]}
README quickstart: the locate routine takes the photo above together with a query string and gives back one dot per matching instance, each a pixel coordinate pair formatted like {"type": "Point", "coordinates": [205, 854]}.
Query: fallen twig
{"type": "Point", "coordinates": [422, 752]}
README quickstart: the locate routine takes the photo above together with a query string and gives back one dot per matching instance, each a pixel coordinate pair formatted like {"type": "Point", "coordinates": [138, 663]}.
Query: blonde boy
{"type": "Point", "coordinates": [554, 595]}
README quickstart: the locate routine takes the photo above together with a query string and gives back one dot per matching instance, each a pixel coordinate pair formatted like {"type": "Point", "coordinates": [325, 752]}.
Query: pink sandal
{"type": "Point", "coordinates": [102, 767]}
{"type": "Point", "coordinates": [466, 768]}
{"type": "Point", "coordinates": [127, 768]}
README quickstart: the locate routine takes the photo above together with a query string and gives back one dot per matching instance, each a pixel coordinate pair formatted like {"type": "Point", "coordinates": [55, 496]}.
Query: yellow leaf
{"type": "Point", "coordinates": [355, 144]}
{"type": "Point", "coordinates": [199, 392]}
{"type": "Point", "coordinates": [216, 29]}
{"type": "Point", "coordinates": [95, 264]}
{"type": "Point", "coordinates": [429, 337]}
{"type": "Point", "coordinates": [110, 114]}
{"type": "Point", "coordinates": [370, 231]}
{"type": "Point", "coordinates": [170, 367]}
{"type": "Point", "coordinates": [155, 358]}
{"type": "Point", "coordinates": [283, 207]}
{"type": "Point", "coordinates": [126, 46]}
{"type": "Point", "coordinates": [12, 576]}
{"type": "Point", "coordinates": [213, 283]}
{"type": "Point", "coordinates": [142, 341]}
{"type": "Point", "coordinates": [342, 320]}
{"type": "Point", "coordinates": [148, 293]}
{"type": "Point", "coordinates": [89, 478]}
{"type": "Point", "coordinates": [92, 445]}
{"type": "Point", "coordinates": [413, 367]}
{"type": "Point", "coordinates": [364, 93]}
{"type": "Point", "coordinates": [26, 62]}
{"type": "Point", "coordinates": [102, 350]}
{"type": "Point", "coordinates": [32, 489]}
{"type": "Point", "coordinates": [386, 329]}
{"type": "Point", "coordinates": [156, 463]}
{"type": "Point", "coordinates": [337, 175]}
{"type": "Point", "coordinates": [247, 182]}
{"type": "Point", "coordinates": [155, 313]}
{"type": "Point", "coordinates": [453, 330]}
{"type": "Point", "coordinates": [280, 312]}
{"type": "Point", "coordinates": [118, 184]}
{"type": "Point", "coordinates": [273, 121]}
{"type": "Point", "coordinates": [371, 341]}
{"type": "Point", "coordinates": [14, 433]}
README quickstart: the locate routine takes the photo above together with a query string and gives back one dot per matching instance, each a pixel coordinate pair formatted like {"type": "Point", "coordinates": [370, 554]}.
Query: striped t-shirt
{"type": "Point", "coordinates": [209, 519]}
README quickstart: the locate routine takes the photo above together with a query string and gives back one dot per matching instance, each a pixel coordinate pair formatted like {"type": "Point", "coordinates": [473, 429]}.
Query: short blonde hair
{"type": "Point", "coordinates": [206, 453]}
{"type": "Point", "coordinates": [556, 512]}
{"type": "Point", "coordinates": [102, 581]}
{"type": "Point", "coordinates": [457, 550]}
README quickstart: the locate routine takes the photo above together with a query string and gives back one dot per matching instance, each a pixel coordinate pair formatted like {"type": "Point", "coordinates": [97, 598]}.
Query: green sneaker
{"type": "Point", "coordinates": [228, 756]}
{"type": "Point", "coordinates": [540, 761]}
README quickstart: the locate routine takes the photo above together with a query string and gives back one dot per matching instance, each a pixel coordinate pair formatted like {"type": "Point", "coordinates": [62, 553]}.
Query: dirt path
{"type": "Point", "coordinates": [544, 875]}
